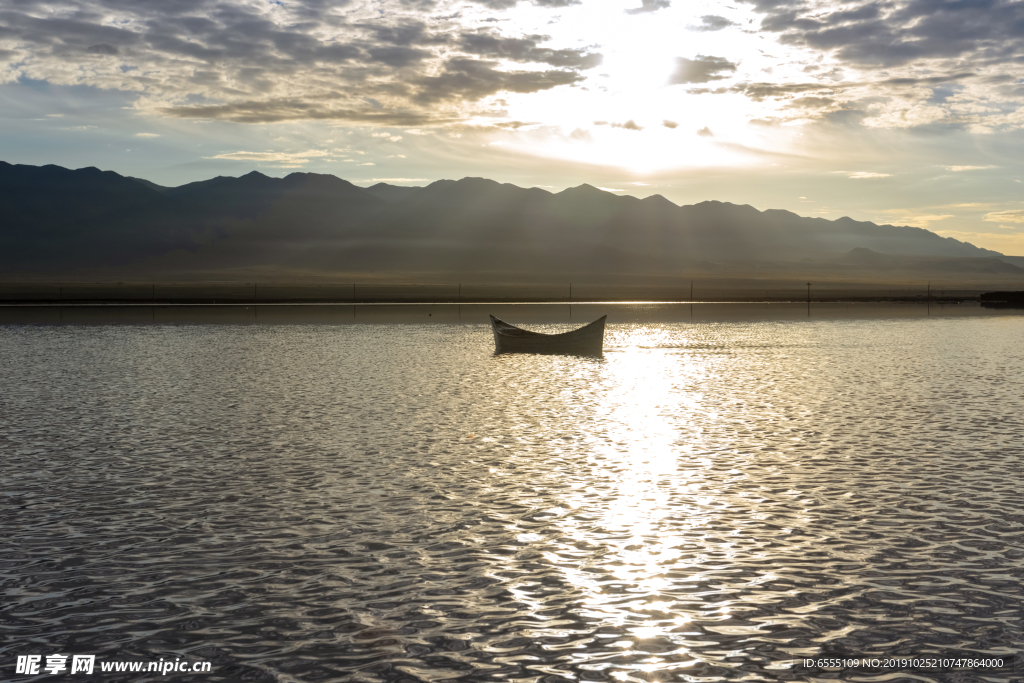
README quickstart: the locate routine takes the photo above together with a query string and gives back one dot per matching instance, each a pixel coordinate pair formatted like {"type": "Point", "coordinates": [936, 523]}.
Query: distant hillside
{"type": "Point", "coordinates": [55, 219]}
{"type": "Point", "coordinates": [872, 260]}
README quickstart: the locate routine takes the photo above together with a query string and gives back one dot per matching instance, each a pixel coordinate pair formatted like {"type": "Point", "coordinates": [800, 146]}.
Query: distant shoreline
{"type": "Point", "coordinates": [223, 293]}
{"type": "Point", "coordinates": [561, 313]}
{"type": "Point", "coordinates": [484, 302]}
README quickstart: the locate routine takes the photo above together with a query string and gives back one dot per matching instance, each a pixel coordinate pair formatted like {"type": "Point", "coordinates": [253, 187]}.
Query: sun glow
{"type": "Point", "coordinates": [628, 113]}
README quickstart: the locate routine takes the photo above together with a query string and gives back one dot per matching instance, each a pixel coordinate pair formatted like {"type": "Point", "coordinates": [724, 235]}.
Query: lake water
{"type": "Point", "coordinates": [711, 500]}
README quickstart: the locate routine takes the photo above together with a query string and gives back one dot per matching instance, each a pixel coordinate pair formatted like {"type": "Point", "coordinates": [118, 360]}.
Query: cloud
{"type": "Point", "coordinates": [925, 80]}
{"type": "Point", "coordinates": [526, 49]}
{"type": "Point", "coordinates": [102, 49]}
{"type": "Point", "coordinates": [403, 32]}
{"type": "Point", "coordinates": [810, 103]}
{"type": "Point", "coordinates": [650, 6]}
{"type": "Point", "coordinates": [509, 4]}
{"type": "Point", "coordinates": [760, 91]}
{"type": "Point", "coordinates": [713, 22]}
{"type": "Point", "coordinates": [669, 124]}
{"type": "Point", "coordinates": [860, 175]}
{"type": "Point", "coordinates": [1011, 243]}
{"type": "Point", "coordinates": [497, 4]}
{"type": "Point", "coordinates": [424, 63]}
{"type": "Point", "coordinates": [899, 32]}
{"type": "Point", "coordinates": [961, 99]}
{"type": "Point", "coordinates": [299, 109]}
{"type": "Point", "coordinates": [610, 189]}
{"type": "Point", "coordinates": [628, 125]}
{"type": "Point", "coordinates": [289, 158]}
{"type": "Point", "coordinates": [1013, 216]}
{"type": "Point", "coordinates": [473, 79]}
{"type": "Point", "coordinates": [925, 220]}
{"type": "Point", "coordinates": [908, 50]}
{"type": "Point", "coordinates": [703, 69]}
{"type": "Point", "coordinates": [391, 63]}
{"type": "Point", "coordinates": [395, 180]}
{"type": "Point", "coordinates": [959, 169]}
{"type": "Point", "coordinates": [147, 135]}
{"type": "Point", "coordinates": [705, 132]}
{"type": "Point", "coordinates": [398, 56]}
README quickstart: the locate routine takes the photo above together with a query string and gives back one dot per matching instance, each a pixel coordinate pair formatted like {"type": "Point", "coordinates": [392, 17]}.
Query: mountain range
{"type": "Point", "coordinates": [54, 219]}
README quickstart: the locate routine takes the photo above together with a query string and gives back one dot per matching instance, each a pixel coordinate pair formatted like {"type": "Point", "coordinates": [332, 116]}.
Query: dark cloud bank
{"type": "Point", "coordinates": [298, 60]}
{"type": "Point", "coordinates": [899, 48]}
{"type": "Point", "coordinates": [896, 33]}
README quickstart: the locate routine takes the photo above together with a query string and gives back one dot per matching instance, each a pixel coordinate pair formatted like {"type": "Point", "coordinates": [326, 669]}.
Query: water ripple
{"type": "Point", "coordinates": [394, 503]}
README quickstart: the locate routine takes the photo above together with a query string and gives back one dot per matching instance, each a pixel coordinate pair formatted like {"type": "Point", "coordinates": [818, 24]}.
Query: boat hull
{"type": "Point", "coordinates": [585, 341]}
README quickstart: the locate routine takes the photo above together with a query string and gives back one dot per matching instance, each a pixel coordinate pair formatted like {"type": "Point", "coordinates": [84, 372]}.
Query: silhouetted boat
{"type": "Point", "coordinates": [586, 341]}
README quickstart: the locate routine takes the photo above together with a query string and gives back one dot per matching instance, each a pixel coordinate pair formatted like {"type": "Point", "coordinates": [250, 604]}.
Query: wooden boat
{"type": "Point", "coordinates": [586, 341]}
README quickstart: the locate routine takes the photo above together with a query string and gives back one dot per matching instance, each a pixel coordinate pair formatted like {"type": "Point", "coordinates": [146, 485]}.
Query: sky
{"type": "Point", "coordinates": [902, 112]}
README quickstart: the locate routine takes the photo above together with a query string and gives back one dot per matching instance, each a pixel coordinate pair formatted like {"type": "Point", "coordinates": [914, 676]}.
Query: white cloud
{"type": "Point", "coordinates": [1013, 216]}
{"type": "Point", "coordinates": [920, 217]}
{"type": "Point", "coordinates": [859, 175]}
{"type": "Point", "coordinates": [292, 159]}
{"type": "Point", "coordinates": [923, 221]}
{"type": "Point", "coordinates": [1011, 244]}
{"type": "Point", "coordinates": [958, 169]}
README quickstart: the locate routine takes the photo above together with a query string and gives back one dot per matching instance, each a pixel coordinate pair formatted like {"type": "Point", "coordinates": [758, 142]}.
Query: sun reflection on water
{"type": "Point", "coordinates": [650, 389]}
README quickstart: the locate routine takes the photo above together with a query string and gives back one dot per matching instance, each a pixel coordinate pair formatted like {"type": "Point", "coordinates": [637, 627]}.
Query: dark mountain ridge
{"type": "Point", "coordinates": [55, 219]}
